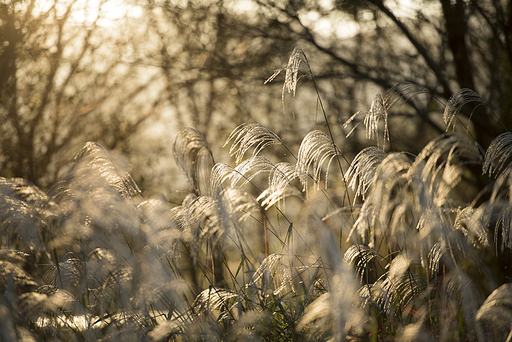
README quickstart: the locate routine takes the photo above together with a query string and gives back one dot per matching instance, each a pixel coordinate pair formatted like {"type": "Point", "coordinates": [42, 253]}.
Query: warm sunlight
{"type": "Point", "coordinates": [255, 170]}
{"type": "Point", "coordinates": [104, 12]}
{"type": "Point", "coordinates": [339, 25]}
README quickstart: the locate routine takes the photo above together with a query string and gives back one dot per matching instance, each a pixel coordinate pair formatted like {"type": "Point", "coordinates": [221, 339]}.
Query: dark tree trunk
{"type": "Point", "coordinates": [456, 31]}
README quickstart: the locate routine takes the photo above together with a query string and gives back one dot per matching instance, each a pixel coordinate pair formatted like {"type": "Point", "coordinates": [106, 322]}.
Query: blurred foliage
{"type": "Point", "coordinates": [216, 257]}
{"type": "Point", "coordinates": [129, 75]}
{"type": "Point", "coordinates": [65, 77]}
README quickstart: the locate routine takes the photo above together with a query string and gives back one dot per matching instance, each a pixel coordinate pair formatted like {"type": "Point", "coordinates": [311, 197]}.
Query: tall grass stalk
{"type": "Point", "coordinates": [423, 254]}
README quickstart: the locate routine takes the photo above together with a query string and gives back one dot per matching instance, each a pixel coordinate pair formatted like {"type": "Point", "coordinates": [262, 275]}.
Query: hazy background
{"type": "Point", "coordinates": [130, 74]}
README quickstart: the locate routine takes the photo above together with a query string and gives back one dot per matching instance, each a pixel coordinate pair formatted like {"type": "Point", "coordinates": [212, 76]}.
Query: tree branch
{"type": "Point", "coordinates": [447, 92]}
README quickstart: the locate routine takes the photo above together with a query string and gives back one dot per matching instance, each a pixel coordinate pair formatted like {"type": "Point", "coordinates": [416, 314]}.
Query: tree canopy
{"type": "Point", "coordinates": [64, 81]}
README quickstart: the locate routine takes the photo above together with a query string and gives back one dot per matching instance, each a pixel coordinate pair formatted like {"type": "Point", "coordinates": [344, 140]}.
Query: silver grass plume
{"type": "Point", "coordinates": [463, 298]}
{"type": "Point", "coordinates": [14, 256]}
{"type": "Point", "coordinates": [376, 112]}
{"type": "Point", "coordinates": [399, 291]}
{"type": "Point", "coordinates": [193, 155]}
{"type": "Point", "coordinates": [388, 193]}
{"type": "Point", "coordinates": [164, 330]}
{"type": "Point", "coordinates": [457, 101]}
{"type": "Point", "coordinates": [28, 193]}
{"type": "Point", "coordinates": [435, 172]}
{"type": "Point", "coordinates": [26, 214]}
{"type": "Point", "coordinates": [415, 332]}
{"type": "Point", "coordinates": [443, 175]}
{"type": "Point", "coordinates": [180, 216]}
{"type": "Point", "coordinates": [338, 311]}
{"type": "Point", "coordinates": [371, 119]}
{"type": "Point", "coordinates": [280, 175]}
{"type": "Point", "coordinates": [495, 164]}
{"type": "Point", "coordinates": [498, 153]}
{"type": "Point", "coordinates": [12, 274]}
{"type": "Point", "coordinates": [381, 105]}
{"type": "Point", "coordinates": [94, 161]}
{"type": "Point", "coordinates": [401, 93]}
{"type": "Point", "coordinates": [496, 312]}
{"type": "Point", "coordinates": [323, 315]}
{"type": "Point", "coordinates": [248, 169]}
{"type": "Point", "coordinates": [202, 217]}
{"type": "Point", "coordinates": [251, 326]}
{"type": "Point", "coordinates": [430, 216]}
{"type": "Point", "coordinates": [400, 265]}
{"type": "Point", "coordinates": [272, 196]}
{"type": "Point", "coordinates": [198, 220]}
{"type": "Point", "coordinates": [274, 276]}
{"type": "Point", "coordinates": [297, 67]}
{"type": "Point", "coordinates": [101, 276]}
{"type": "Point", "coordinates": [360, 256]}
{"type": "Point", "coordinates": [505, 223]}
{"type": "Point", "coordinates": [157, 222]}
{"type": "Point", "coordinates": [362, 170]}
{"type": "Point", "coordinates": [97, 193]}
{"type": "Point", "coordinates": [396, 288]}
{"type": "Point", "coordinates": [68, 275]}
{"type": "Point", "coordinates": [472, 223]}
{"type": "Point", "coordinates": [155, 213]}
{"type": "Point", "coordinates": [246, 136]}
{"type": "Point", "coordinates": [279, 186]}
{"type": "Point", "coordinates": [460, 143]}
{"type": "Point", "coordinates": [387, 293]}
{"type": "Point", "coordinates": [315, 149]}
{"type": "Point", "coordinates": [220, 172]}
{"type": "Point", "coordinates": [319, 312]}
{"type": "Point", "coordinates": [394, 297]}
{"type": "Point", "coordinates": [363, 225]}
{"type": "Point", "coordinates": [238, 205]}
{"type": "Point", "coordinates": [240, 175]}
{"type": "Point", "coordinates": [214, 298]}
{"type": "Point", "coordinates": [49, 303]}
{"type": "Point", "coordinates": [502, 187]}
{"type": "Point", "coordinates": [443, 238]}
{"type": "Point", "coordinates": [435, 255]}
{"type": "Point", "coordinates": [471, 301]}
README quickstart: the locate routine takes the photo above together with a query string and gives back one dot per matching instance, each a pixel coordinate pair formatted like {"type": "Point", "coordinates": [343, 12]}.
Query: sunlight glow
{"type": "Point", "coordinates": [338, 25]}
{"type": "Point", "coordinates": [104, 13]}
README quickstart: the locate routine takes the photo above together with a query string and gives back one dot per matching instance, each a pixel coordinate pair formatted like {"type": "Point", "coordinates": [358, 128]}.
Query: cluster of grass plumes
{"type": "Point", "coordinates": [390, 246]}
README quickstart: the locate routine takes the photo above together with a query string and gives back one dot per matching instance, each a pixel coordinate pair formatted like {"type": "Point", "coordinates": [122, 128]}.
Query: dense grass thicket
{"type": "Point", "coordinates": [389, 246]}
